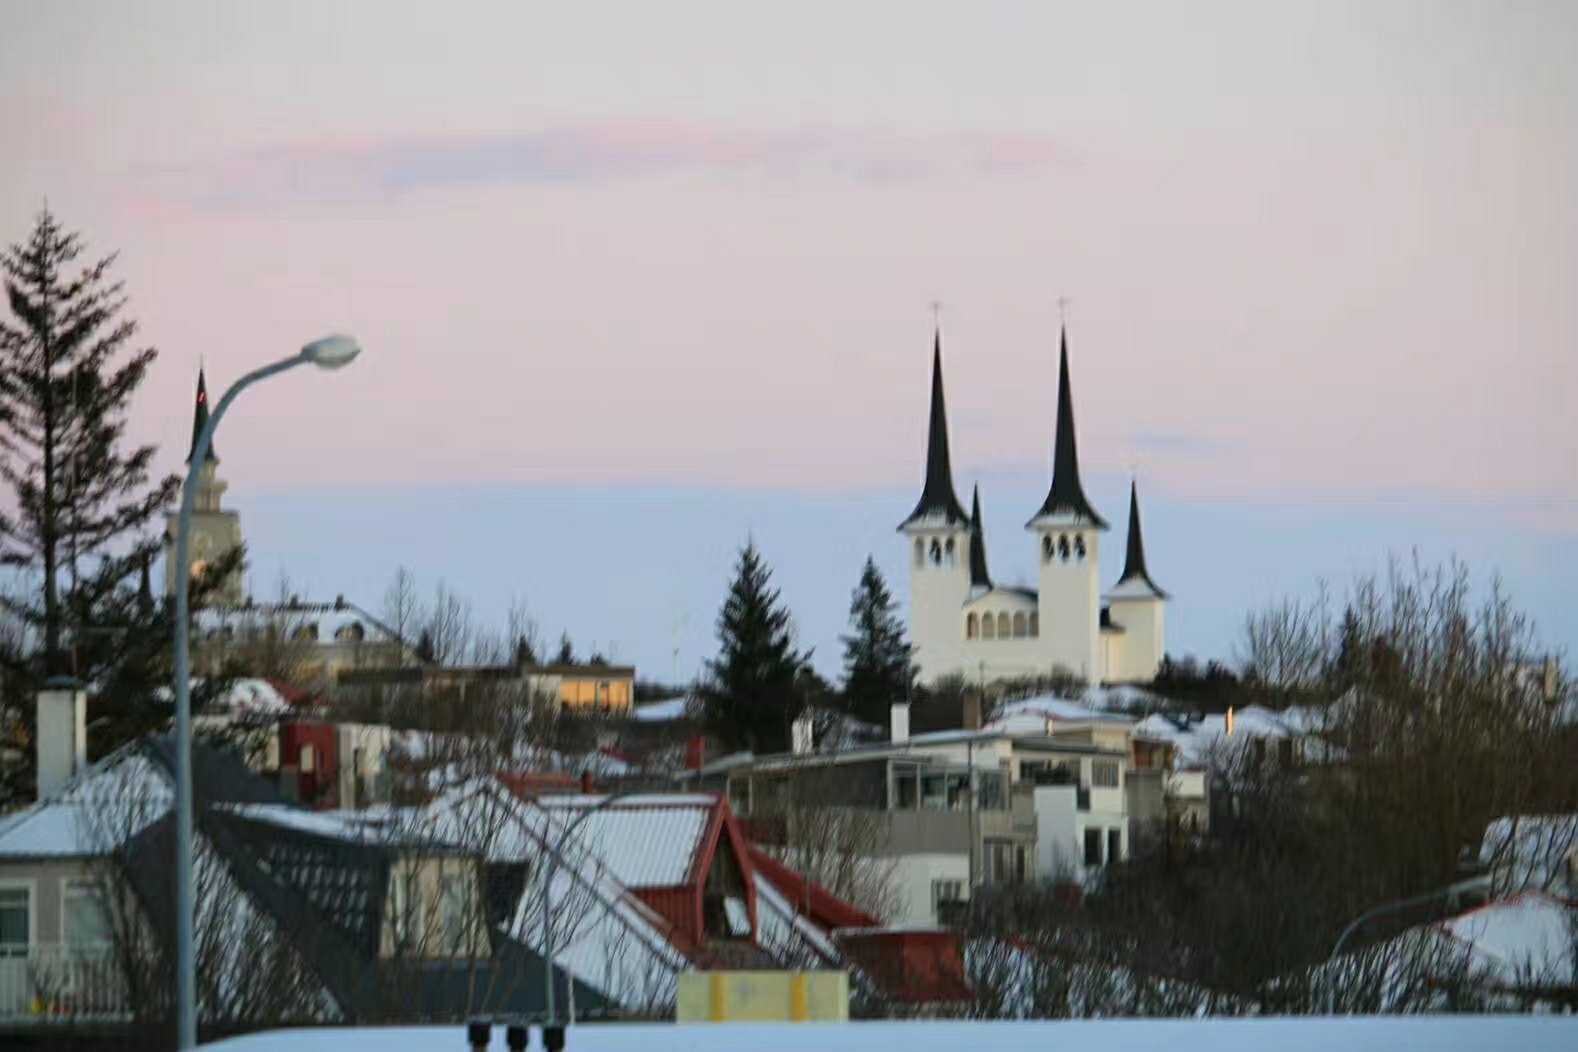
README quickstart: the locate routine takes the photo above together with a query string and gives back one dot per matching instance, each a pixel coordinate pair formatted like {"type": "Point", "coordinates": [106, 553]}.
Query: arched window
{"type": "Point", "coordinates": [948, 551]}
{"type": "Point", "coordinates": [988, 627]}
{"type": "Point", "coordinates": [1046, 547]}
{"type": "Point", "coordinates": [1079, 545]}
{"type": "Point", "coordinates": [920, 552]}
{"type": "Point", "coordinates": [1005, 626]}
{"type": "Point", "coordinates": [1062, 547]}
{"type": "Point", "coordinates": [936, 552]}
{"type": "Point", "coordinates": [972, 627]}
{"type": "Point", "coordinates": [1035, 625]}
{"type": "Point", "coordinates": [1019, 625]}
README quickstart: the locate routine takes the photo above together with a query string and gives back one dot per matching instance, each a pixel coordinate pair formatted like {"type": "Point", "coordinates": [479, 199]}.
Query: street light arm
{"type": "Point", "coordinates": [1393, 907]}
{"type": "Point", "coordinates": [185, 893]}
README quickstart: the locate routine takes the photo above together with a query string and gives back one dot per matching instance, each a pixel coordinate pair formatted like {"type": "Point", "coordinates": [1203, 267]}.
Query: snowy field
{"type": "Point", "coordinates": [1304, 1034]}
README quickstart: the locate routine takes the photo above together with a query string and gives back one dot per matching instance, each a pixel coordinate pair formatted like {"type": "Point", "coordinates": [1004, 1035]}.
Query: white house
{"type": "Point", "coordinates": [962, 623]}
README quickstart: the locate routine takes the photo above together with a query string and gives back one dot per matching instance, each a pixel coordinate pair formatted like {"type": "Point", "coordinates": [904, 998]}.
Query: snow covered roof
{"type": "Point", "coordinates": [1443, 1033]}
{"type": "Point", "coordinates": [644, 841]}
{"type": "Point", "coordinates": [1530, 938]}
{"type": "Point", "coordinates": [1532, 852]}
{"type": "Point", "coordinates": [662, 711]}
{"type": "Point", "coordinates": [1196, 739]}
{"type": "Point", "coordinates": [1061, 710]}
{"type": "Point", "coordinates": [103, 806]}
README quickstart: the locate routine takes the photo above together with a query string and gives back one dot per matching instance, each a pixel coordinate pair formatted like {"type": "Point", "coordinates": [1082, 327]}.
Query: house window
{"type": "Point", "coordinates": [1035, 625]}
{"type": "Point", "coordinates": [906, 788]}
{"type": "Point", "coordinates": [85, 917]}
{"type": "Point", "coordinates": [1005, 626]}
{"type": "Point", "coordinates": [936, 552]}
{"type": "Point", "coordinates": [1021, 626]}
{"type": "Point", "coordinates": [1062, 547]}
{"type": "Point", "coordinates": [949, 551]}
{"type": "Point", "coordinates": [15, 921]}
{"type": "Point", "coordinates": [1114, 845]}
{"type": "Point", "coordinates": [988, 626]}
{"type": "Point", "coordinates": [972, 627]}
{"type": "Point", "coordinates": [405, 908]}
{"type": "Point", "coordinates": [946, 891]}
{"type": "Point", "coordinates": [1079, 545]}
{"type": "Point", "coordinates": [1092, 847]}
{"type": "Point", "coordinates": [308, 762]}
{"type": "Point", "coordinates": [1104, 774]}
{"type": "Point", "coordinates": [1046, 548]}
{"type": "Point", "coordinates": [454, 902]}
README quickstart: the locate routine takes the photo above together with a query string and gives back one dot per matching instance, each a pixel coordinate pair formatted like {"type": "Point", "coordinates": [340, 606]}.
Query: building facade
{"type": "Point", "coordinates": [964, 624]}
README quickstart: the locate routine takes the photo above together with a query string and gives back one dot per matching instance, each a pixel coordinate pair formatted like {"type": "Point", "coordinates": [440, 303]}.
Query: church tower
{"type": "Point", "coordinates": [939, 534]}
{"type": "Point", "coordinates": [1068, 531]}
{"type": "Point", "coordinates": [1135, 606]}
{"type": "Point", "coordinates": [215, 531]}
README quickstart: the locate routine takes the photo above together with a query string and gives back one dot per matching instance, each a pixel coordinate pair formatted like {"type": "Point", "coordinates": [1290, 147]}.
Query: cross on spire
{"type": "Point", "coordinates": [936, 314]}
{"type": "Point", "coordinates": [1062, 310]}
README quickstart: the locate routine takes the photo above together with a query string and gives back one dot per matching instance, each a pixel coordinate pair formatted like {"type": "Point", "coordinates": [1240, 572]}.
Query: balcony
{"type": "Point", "coordinates": [54, 984]}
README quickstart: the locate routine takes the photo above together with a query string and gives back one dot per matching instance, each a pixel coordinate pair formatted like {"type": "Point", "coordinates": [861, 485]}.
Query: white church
{"type": "Point", "coordinates": [961, 623]}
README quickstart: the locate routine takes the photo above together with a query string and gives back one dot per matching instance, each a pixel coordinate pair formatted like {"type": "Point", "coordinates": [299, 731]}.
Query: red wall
{"type": "Point", "coordinates": [318, 786]}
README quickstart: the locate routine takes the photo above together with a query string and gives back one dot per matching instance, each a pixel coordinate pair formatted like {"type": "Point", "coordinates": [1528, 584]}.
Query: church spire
{"type": "Point", "coordinates": [979, 578]}
{"type": "Point", "coordinates": [938, 505]}
{"type": "Point", "coordinates": [1134, 573]}
{"type": "Point", "coordinates": [199, 419]}
{"type": "Point", "coordinates": [1066, 499]}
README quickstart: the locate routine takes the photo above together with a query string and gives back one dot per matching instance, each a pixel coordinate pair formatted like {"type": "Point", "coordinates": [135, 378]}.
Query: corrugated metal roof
{"type": "Point", "coordinates": [644, 842]}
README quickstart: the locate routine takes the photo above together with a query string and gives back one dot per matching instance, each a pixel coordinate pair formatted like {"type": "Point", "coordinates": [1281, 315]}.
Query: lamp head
{"type": "Point", "coordinates": [332, 352]}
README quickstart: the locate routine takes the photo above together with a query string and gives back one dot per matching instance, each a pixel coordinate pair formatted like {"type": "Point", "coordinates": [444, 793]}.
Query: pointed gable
{"type": "Point", "coordinates": [1136, 582]}
{"type": "Point", "coordinates": [979, 578]}
{"type": "Point", "coordinates": [938, 505]}
{"type": "Point", "coordinates": [1066, 502]}
{"type": "Point", "coordinates": [199, 420]}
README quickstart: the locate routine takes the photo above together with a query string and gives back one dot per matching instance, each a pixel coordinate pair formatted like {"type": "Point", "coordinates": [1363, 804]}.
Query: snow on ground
{"type": "Point", "coordinates": [1297, 1034]}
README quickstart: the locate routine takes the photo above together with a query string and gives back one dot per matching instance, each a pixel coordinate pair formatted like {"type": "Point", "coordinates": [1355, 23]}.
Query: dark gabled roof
{"type": "Point", "coordinates": [938, 500]}
{"type": "Point", "coordinates": [1066, 498]}
{"type": "Point", "coordinates": [1134, 571]}
{"type": "Point", "coordinates": [979, 578]}
{"type": "Point", "coordinates": [222, 776]}
{"type": "Point", "coordinates": [200, 418]}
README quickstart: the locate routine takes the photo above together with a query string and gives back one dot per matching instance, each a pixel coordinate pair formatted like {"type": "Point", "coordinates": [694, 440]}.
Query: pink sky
{"type": "Point", "coordinates": [1314, 252]}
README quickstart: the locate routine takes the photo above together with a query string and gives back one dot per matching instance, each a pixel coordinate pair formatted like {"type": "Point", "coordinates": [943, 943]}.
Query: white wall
{"type": "Point", "coordinates": [1071, 605]}
{"type": "Point", "coordinates": [937, 595]}
{"type": "Point", "coordinates": [1136, 652]}
{"type": "Point", "coordinates": [1058, 850]}
{"type": "Point", "coordinates": [912, 881]}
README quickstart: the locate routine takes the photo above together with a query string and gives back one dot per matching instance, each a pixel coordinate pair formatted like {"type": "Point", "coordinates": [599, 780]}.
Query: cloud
{"type": "Point", "coordinates": [594, 154]}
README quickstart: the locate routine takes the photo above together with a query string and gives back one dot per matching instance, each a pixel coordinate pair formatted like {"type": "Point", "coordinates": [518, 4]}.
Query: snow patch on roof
{"type": "Point", "coordinates": [1529, 938]}
{"type": "Point", "coordinates": [662, 711]}
{"type": "Point", "coordinates": [106, 805]}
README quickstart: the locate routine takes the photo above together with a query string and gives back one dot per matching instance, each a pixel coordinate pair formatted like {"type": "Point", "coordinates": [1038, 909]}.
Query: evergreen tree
{"type": "Point", "coordinates": [566, 655]}
{"type": "Point", "coordinates": [426, 652]}
{"type": "Point", "coordinates": [524, 652]}
{"type": "Point", "coordinates": [751, 696]}
{"type": "Point", "coordinates": [878, 670]}
{"type": "Point", "coordinates": [82, 515]}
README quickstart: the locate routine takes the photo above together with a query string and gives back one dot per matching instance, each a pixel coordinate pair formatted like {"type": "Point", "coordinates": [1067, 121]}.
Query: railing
{"type": "Point", "coordinates": [54, 983]}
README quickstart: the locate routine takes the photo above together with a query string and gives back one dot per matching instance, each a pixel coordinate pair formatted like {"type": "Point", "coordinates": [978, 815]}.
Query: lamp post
{"type": "Point", "coordinates": [331, 352]}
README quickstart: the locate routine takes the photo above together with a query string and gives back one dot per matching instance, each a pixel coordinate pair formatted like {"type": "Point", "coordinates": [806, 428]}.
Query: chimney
{"type": "Point", "coordinates": [899, 723]}
{"type": "Point", "coordinates": [695, 752]}
{"type": "Point", "coordinates": [61, 740]}
{"type": "Point", "coordinates": [972, 712]}
{"type": "Point", "coordinates": [586, 783]}
{"type": "Point", "coordinates": [801, 740]}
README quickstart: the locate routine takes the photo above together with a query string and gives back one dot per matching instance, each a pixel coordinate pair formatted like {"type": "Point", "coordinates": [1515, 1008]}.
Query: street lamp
{"type": "Point", "coordinates": [331, 352]}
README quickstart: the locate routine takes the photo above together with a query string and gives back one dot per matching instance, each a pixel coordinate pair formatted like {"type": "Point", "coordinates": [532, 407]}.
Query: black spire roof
{"type": "Point", "coordinates": [1134, 559]}
{"type": "Point", "coordinates": [1066, 499]}
{"type": "Point", "coordinates": [200, 418]}
{"type": "Point", "coordinates": [938, 499]}
{"type": "Point", "coordinates": [979, 578]}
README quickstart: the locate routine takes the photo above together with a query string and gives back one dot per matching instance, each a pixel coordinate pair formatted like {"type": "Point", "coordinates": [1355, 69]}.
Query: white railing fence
{"type": "Point", "coordinates": [48, 983]}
